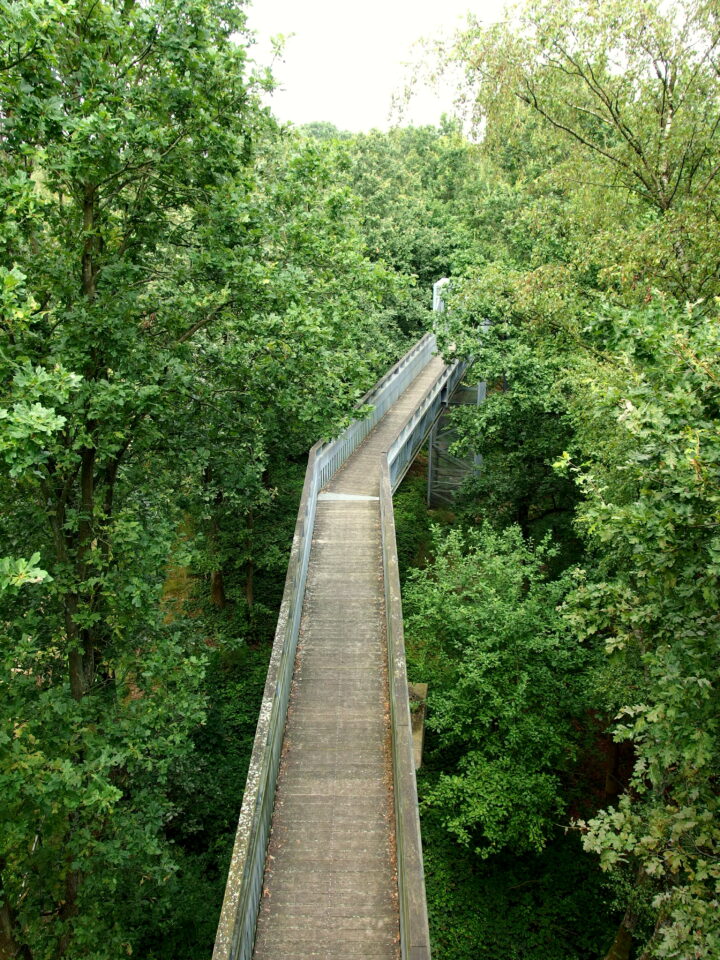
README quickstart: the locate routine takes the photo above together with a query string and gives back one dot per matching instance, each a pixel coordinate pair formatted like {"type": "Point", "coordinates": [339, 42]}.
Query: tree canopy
{"type": "Point", "coordinates": [191, 295]}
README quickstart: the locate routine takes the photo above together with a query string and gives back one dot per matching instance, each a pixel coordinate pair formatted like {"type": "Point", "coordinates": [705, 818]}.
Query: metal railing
{"type": "Point", "coordinates": [334, 453]}
{"type": "Point", "coordinates": [236, 929]}
{"type": "Point", "coordinates": [417, 426]}
{"type": "Point", "coordinates": [414, 931]}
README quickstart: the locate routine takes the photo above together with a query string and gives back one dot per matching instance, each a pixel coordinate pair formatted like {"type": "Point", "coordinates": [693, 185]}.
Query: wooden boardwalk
{"type": "Point", "coordinates": [330, 885]}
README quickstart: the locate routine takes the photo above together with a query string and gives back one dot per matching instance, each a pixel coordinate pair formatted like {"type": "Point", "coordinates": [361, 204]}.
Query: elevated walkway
{"type": "Point", "coordinates": [332, 768]}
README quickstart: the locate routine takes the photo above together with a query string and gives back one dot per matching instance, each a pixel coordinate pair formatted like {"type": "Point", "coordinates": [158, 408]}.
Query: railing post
{"type": "Point", "coordinates": [438, 287]}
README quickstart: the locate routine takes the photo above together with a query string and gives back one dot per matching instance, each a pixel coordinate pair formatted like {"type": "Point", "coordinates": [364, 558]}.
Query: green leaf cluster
{"type": "Point", "coordinates": [505, 676]}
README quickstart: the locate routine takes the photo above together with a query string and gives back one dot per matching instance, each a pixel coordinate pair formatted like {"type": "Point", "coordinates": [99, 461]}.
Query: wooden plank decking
{"type": "Point", "coordinates": [330, 886]}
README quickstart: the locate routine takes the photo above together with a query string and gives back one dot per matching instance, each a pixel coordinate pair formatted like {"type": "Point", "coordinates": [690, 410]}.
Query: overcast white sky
{"type": "Point", "coordinates": [345, 60]}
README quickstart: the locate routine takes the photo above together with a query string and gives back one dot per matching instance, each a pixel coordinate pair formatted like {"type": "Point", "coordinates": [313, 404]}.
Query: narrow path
{"type": "Point", "coordinates": [330, 887]}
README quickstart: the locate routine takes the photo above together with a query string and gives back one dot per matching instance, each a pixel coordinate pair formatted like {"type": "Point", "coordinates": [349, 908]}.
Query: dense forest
{"type": "Point", "coordinates": [191, 294]}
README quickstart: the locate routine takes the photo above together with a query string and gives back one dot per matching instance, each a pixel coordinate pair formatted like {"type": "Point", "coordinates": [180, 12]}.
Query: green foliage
{"type": "Point", "coordinates": [415, 187]}
{"type": "Point", "coordinates": [85, 783]}
{"type": "Point", "coordinates": [206, 791]}
{"type": "Point", "coordinates": [548, 906]}
{"type": "Point", "coordinates": [612, 105]}
{"type": "Point", "coordinates": [16, 572]}
{"type": "Point", "coordinates": [505, 687]}
{"type": "Point", "coordinates": [600, 142]}
{"type": "Point", "coordinates": [186, 306]}
{"type": "Point", "coordinates": [323, 130]}
{"type": "Point", "coordinates": [649, 441]}
{"type": "Point", "coordinates": [412, 522]}
{"type": "Point", "coordinates": [521, 428]}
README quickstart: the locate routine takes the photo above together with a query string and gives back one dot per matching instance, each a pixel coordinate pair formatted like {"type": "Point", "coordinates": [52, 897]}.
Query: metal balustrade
{"type": "Point", "coordinates": [236, 929]}
{"type": "Point", "coordinates": [416, 428]}
{"type": "Point", "coordinates": [333, 454]}
{"type": "Point", "coordinates": [414, 929]}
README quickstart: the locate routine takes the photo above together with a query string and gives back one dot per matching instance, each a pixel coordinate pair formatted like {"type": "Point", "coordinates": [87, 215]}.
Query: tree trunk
{"type": "Point", "coordinates": [81, 641]}
{"type": "Point", "coordinates": [622, 944]}
{"type": "Point", "coordinates": [89, 270]}
{"type": "Point", "coordinates": [10, 949]}
{"type": "Point", "coordinates": [250, 583]}
{"type": "Point", "coordinates": [522, 515]}
{"type": "Point", "coordinates": [81, 657]}
{"type": "Point", "coordinates": [612, 782]}
{"type": "Point", "coordinates": [69, 908]}
{"type": "Point", "coordinates": [217, 580]}
{"type": "Point", "coordinates": [217, 589]}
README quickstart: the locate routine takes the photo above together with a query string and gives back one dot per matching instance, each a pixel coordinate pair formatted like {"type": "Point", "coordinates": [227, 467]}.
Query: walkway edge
{"type": "Point", "coordinates": [236, 929]}
{"type": "Point", "coordinates": [414, 930]}
{"type": "Point", "coordinates": [243, 890]}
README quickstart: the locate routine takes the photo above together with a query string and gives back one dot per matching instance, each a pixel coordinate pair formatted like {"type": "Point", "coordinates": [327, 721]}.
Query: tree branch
{"type": "Point", "coordinates": [531, 100]}
{"type": "Point", "coordinates": [203, 322]}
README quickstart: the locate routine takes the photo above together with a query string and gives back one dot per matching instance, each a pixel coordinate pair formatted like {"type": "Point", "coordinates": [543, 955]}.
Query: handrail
{"type": "Point", "coordinates": [414, 931]}
{"type": "Point", "coordinates": [418, 424]}
{"type": "Point", "coordinates": [236, 928]}
{"type": "Point", "coordinates": [334, 453]}
{"type": "Point", "coordinates": [427, 339]}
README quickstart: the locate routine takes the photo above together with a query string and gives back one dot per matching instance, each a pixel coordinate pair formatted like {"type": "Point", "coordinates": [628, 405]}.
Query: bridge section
{"type": "Point", "coordinates": [330, 886]}
{"type": "Point", "coordinates": [332, 762]}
